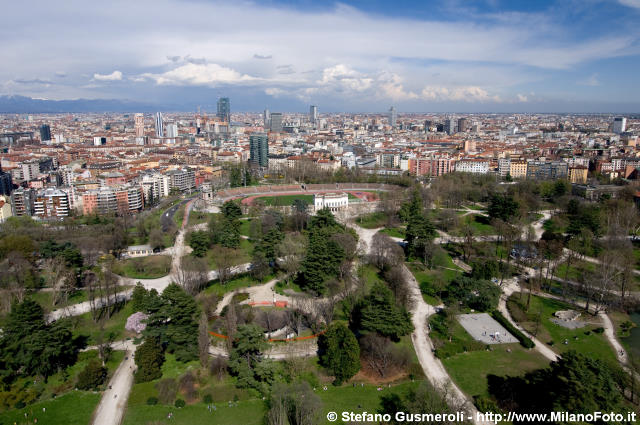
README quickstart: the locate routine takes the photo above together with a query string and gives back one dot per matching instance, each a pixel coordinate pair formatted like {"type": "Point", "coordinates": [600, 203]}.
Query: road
{"type": "Point", "coordinates": [113, 403]}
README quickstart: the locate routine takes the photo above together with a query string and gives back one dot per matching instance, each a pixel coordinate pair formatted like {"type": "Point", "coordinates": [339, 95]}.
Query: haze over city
{"type": "Point", "coordinates": [352, 56]}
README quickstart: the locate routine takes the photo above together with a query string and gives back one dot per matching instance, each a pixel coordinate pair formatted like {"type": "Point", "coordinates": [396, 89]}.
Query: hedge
{"type": "Point", "coordinates": [525, 341]}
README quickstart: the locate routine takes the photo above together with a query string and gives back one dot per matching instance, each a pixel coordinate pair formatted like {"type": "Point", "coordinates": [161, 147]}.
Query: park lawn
{"type": "Point", "coordinates": [242, 281]}
{"type": "Point", "coordinates": [350, 398]}
{"type": "Point", "coordinates": [150, 267]}
{"type": "Point", "coordinates": [592, 344]}
{"type": "Point", "coordinates": [245, 227]}
{"type": "Point", "coordinates": [574, 270]}
{"type": "Point", "coordinates": [372, 220]}
{"type": "Point", "coordinates": [114, 325]}
{"type": "Point", "coordinates": [370, 274]}
{"type": "Point", "coordinates": [199, 217]}
{"type": "Point", "coordinates": [287, 286]}
{"type": "Point", "coordinates": [75, 407]}
{"type": "Point", "coordinates": [245, 409]}
{"type": "Point", "coordinates": [395, 232]}
{"type": "Point", "coordinates": [479, 224]}
{"type": "Point", "coordinates": [249, 412]}
{"type": "Point", "coordinates": [284, 200]}
{"type": "Point", "coordinates": [45, 299]}
{"type": "Point", "coordinates": [470, 370]}
{"type": "Point", "coordinates": [241, 255]}
{"type": "Point", "coordinates": [442, 270]}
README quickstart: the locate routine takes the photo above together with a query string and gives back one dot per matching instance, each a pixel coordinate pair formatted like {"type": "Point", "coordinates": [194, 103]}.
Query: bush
{"type": "Point", "coordinates": [180, 403]}
{"type": "Point", "coordinates": [598, 330]}
{"type": "Point", "coordinates": [92, 376]}
{"type": "Point", "coordinates": [525, 341]}
{"type": "Point", "coordinates": [207, 399]}
{"type": "Point", "coordinates": [167, 390]}
{"type": "Point", "coordinates": [152, 401]}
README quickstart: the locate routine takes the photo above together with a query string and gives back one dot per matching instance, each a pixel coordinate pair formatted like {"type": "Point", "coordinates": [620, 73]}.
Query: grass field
{"type": "Point", "coordinates": [372, 220]}
{"type": "Point", "coordinates": [469, 370]}
{"type": "Point", "coordinates": [239, 282]}
{"type": "Point", "coordinates": [150, 267]}
{"type": "Point", "coordinates": [430, 279]}
{"type": "Point", "coordinates": [198, 217]}
{"type": "Point", "coordinates": [75, 407]}
{"type": "Point", "coordinates": [478, 223]}
{"type": "Point", "coordinates": [84, 325]}
{"type": "Point", "coordinates": [240, 255]}
{"type": "Point", "coordinates": [284, 200]}
{"type": "Point", "coordinates": [45, 299]}
{"type": "Point", "coordinates": [395, 232]}
{"type": "Point", "coordinates": [583, 340]}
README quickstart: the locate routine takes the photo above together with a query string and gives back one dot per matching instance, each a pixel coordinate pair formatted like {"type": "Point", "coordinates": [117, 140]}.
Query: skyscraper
{"type": "Point", "coordinates": [259, 149]}
{"type": "Point", "coordinates": [619, 125]}
{"type": "Point", "coordinates": [313, 114]}
{"type": "Point", "coordinates": [266, 117]}
{"type": "Point", "coordinates": [449, 126]}
{"type": "Point", "coordinates": [393, 116]}
{"type": "Point", "coordinates": [463, 125]}
{"type": "Point", "coordinates": [139, 125]}
{"type": "Point", "coordinates": [275, 122]}
{"type": "Point", "coordinates": [224, 109]}
{"type": "Point", "coordinates": [159, 125]}
{"type": "Point", "coordinates": [45, 133]}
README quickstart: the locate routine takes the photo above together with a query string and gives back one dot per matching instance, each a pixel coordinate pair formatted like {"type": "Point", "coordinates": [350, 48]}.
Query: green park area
{"type": "Point", "coordinates": [149, 267]}
{"type": "Point", "coordinates": [589, 340]}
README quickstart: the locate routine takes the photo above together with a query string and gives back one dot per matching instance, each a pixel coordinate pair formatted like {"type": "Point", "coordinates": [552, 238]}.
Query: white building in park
{"type": "Point", "coordinates": [335, 201]}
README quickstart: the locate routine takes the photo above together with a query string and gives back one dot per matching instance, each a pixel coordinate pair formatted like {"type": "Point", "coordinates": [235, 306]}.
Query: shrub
{"type": "Point", "coordinates": [167, 389]}
{"type": "Point", "coordinates": [152, 401]}
{"type": "Point", "coordinates": [207, 399]}
{"type": "Point", "coordinates": [180, 403]}
{"type": "Point", "coordinates": [92, 376]}
{"type": "Point", "coordinates": [525, 341]}
{"type": "Point", "coordinates": [598, 330]}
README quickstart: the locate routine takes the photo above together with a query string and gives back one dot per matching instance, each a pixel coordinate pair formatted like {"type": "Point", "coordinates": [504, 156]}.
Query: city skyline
{"type": "Point", "coordinates": [354, 56]}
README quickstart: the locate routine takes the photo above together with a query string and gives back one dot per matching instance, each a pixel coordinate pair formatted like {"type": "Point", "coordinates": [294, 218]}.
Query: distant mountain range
{"type": "Point", "coordinates": [27, 105]}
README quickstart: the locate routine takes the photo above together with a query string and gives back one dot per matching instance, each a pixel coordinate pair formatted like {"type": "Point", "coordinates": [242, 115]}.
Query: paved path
{"type": "Point", "coordinates": [509, 287]}
{"type": "Point", "coordinates": [113, 404]}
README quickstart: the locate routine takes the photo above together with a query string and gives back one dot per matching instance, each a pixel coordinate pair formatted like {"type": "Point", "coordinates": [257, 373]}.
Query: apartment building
{"type": "Point", "coordinates": [51, 203]}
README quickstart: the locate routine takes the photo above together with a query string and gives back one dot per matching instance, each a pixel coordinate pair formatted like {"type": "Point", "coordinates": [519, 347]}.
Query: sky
{"type": "Point", "coordinates": [349, 56]}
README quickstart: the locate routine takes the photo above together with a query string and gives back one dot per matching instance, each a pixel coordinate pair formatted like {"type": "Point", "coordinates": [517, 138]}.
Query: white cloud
{"type": "Point", "coordinates": [200, 75]}
{"type": "Point", "coordinates": [630, 3]}
{"type": "Point", "coordinates": [114, 76]}
{"type": "Point", "coordinates": [591, 81]}
{"type": "Point", "coordinates": [522, 97]}
{"type": "Point", "coordinates": [458, 94]}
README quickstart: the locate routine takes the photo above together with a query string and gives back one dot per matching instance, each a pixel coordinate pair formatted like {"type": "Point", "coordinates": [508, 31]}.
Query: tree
{"type": "Point", "coordinates": [575, 383]}
{"type": "Point", "coordinates": [224, 258]}
{"type": "Point", "coordinates": [419, 236]}
{"type": "Point", "coordinates": [245, 358]}
{"type": "Point", "coordinates": [294, 404]}
{"type": "Point", "coordinates": [139, 298]}
{"type": "Point", "coordinates": [199, 242]}
{"type": "Point", "coordinates": [502, 206]}
{"type": "Point", "coordinates": [174, 325]}
{"type": "Point", "coordinates": [156, 239]}
{"type": "Point", "coordinates": [92, 376]}
{"type": "Point", "coordinates": [290, 252]}
{"type": "Point", "coordinates": [231, 210]}
{"type": "Point", "coordinates": [149, 359]}
{"type": "Point", "coordinates": [192, 274]}
{"type": "Point", "coordinates": [203, 340]}
{"type": "Point", "coordinates": [29, 346]}
{"type": "Point", "coordinates": [378, 312]}
{"type": "Point", "coordinates": [481, 295]}
{"type": "Point", "coordinates": [339, 352]}
{"type": "Point", "coordinates": [381, 355]}
{"type": "Point", "coordinates": [259, 265]}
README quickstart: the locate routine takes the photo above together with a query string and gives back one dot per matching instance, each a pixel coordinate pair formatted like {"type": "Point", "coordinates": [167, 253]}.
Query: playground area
{"type": "Point", "coordinates": [484, 328]}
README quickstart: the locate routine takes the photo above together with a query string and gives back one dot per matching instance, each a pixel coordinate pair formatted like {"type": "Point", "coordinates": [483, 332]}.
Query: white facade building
{"type": "Point", "coordinates": [472, 166]}
{"type": "Point", "coordinates": [335, 201]}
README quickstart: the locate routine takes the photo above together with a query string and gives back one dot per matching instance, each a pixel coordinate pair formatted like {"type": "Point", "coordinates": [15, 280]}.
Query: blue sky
{"type": "Point", "coordinates": [360, 56]}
